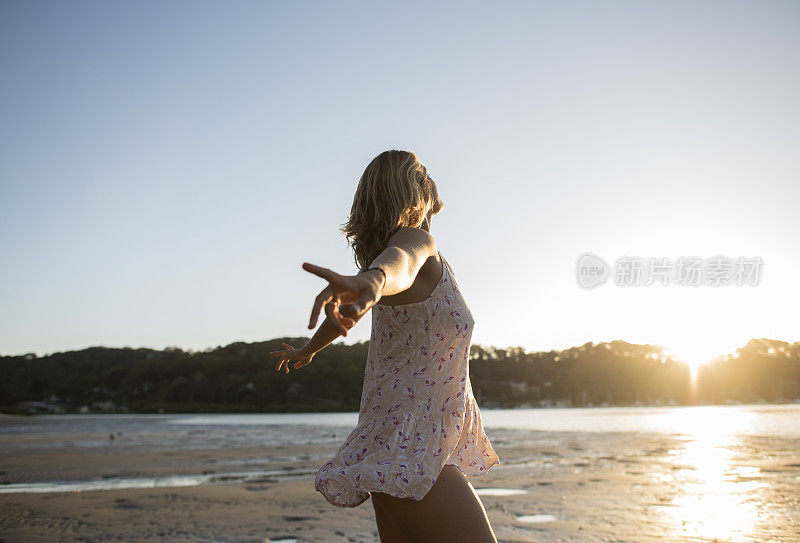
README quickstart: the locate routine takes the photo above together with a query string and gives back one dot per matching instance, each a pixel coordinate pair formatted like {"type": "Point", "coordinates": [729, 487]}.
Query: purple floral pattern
{"type": "Point", "coordinates": [418, 412]}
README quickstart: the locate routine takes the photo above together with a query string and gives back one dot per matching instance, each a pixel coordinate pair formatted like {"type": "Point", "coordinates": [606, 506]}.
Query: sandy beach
{"type": "Point", "coordinates": [551, 487]}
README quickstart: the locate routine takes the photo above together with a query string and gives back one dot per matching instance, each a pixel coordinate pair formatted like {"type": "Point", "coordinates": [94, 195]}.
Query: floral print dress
{"type": "Point", "coordinates": [417, 412]}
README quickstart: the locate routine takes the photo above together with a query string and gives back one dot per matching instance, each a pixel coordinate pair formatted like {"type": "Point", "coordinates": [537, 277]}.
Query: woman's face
{"type": "Point", "coordinates": [438, 205]}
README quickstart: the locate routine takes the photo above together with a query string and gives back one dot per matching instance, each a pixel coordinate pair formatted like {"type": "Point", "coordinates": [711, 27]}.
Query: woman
{"type": "Point", "coordinates": [419, 433]}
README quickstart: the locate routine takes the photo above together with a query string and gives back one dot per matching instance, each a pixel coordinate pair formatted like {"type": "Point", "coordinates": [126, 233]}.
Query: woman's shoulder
{"type": "Point", "coordinates": [411, 233]}
{"type": "Point", "coordinates": [415, 241]}
{"type": "Point", "coordinates": [428, 278]}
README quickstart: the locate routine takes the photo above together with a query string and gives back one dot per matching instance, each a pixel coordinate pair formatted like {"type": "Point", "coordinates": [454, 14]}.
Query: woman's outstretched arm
{"type": "Point", "coordinates": [348, 298]}
{"type": "Point", "coordinates": [400, 261]}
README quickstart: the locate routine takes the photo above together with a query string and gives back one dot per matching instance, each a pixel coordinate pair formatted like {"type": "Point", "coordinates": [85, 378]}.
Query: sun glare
{"type": "Point", "coordinates": [694, 352]}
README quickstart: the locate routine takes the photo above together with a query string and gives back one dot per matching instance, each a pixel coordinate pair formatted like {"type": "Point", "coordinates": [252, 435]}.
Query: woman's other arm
{"type": "Point", "coordinates": [330, 329]}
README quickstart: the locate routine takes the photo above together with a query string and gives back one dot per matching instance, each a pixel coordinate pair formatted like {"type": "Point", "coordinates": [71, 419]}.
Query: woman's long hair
{"type": "Point", "coordinates": [393, 192]}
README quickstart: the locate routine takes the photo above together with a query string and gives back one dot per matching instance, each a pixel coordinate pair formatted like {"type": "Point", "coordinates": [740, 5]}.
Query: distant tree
{"type": "Point", "coordinates": [240, 376]}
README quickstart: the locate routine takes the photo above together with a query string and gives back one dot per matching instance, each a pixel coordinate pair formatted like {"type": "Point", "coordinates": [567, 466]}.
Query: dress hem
{"type": "Point", "coordinates": [323, 485]}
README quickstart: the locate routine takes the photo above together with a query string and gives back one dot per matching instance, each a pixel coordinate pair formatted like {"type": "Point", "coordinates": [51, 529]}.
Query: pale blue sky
{"type": "Point", "coordinates": [166, 167]}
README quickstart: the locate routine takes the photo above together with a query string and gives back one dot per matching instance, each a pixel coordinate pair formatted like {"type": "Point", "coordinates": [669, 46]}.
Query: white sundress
{"type": "Point", "coordinates": [417, 412]}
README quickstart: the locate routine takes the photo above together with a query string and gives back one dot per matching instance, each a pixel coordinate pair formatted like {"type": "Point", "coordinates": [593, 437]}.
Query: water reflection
{"type": "Point", "coordinates": [711, 496]}
{"type": "Point", "coordinates": [499, 491]}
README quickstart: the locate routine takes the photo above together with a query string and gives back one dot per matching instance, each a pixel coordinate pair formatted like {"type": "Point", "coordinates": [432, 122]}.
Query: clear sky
{"type": "Point", "coordinates": [166, 167]}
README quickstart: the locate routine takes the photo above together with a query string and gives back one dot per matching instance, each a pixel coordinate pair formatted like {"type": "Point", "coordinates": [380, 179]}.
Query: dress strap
{"type": "Point", "coordinates": [444, 260]}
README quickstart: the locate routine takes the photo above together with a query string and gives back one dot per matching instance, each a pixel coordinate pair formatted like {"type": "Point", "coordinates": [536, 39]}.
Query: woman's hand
{"type": "Point", "coordinates": [290, 353]}
{"type": "Point", "coordinates": [358, 293]}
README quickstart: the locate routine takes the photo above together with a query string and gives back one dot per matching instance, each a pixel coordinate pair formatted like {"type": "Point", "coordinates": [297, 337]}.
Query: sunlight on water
{"type": "Point", "coordinates": [499, 491]}
{"type": "Point", "coordinates": [117, 483]}
{"type": "Point", "coordinates": [779, 420]}
{"type": "Point", "coordinates": [536, 518]}
{"type": "Point", "coordinates": [714, 498]}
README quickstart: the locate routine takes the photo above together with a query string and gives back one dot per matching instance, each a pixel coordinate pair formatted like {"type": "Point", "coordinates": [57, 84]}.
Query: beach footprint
{"type": "Point", "coordinates": [124, 503]}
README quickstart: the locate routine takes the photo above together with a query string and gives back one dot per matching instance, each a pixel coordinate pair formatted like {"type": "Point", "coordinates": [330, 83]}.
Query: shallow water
{"type": "Point", "coordinates": [499, 491]}
{"type": "Point", "coordinates": [187, 431]}
{"type": "Point", "coordinates": [536, 518]}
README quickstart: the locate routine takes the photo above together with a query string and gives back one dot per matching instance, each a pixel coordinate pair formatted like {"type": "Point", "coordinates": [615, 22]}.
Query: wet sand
{"type": "Point", "coordinates": [581, 487]}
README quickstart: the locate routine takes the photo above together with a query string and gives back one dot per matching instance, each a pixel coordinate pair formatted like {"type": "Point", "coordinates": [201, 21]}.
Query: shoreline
{"type": "Point", "coordinates": [553, 406]}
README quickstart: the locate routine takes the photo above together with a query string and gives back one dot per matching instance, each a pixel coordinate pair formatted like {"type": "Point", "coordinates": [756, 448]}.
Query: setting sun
{"type": "Point", "coordinates": [694, 354]}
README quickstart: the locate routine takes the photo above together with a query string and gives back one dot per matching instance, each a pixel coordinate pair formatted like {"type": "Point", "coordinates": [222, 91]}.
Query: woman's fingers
{"type": "Point", "coordinates": [282, 354]}
{"type": "Point", "coordinates": [345, 323]}
{"type": "Point", "coordinates": [350, 312]}
{"type": "Point", "coordinates": [287, 355]}
{"type": "Point", "coordinates": [361, 304]}
{"type": "Point", "coordinates": [282, 351]}
{"type": "Point", "coordinates": [322, 298]}
{"type": "Point", "coordinates": [328, 294]}
{"type": "Point", "coordinates": [333, 314]}
{"type": "Point", "coordinates": [325, 273]}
